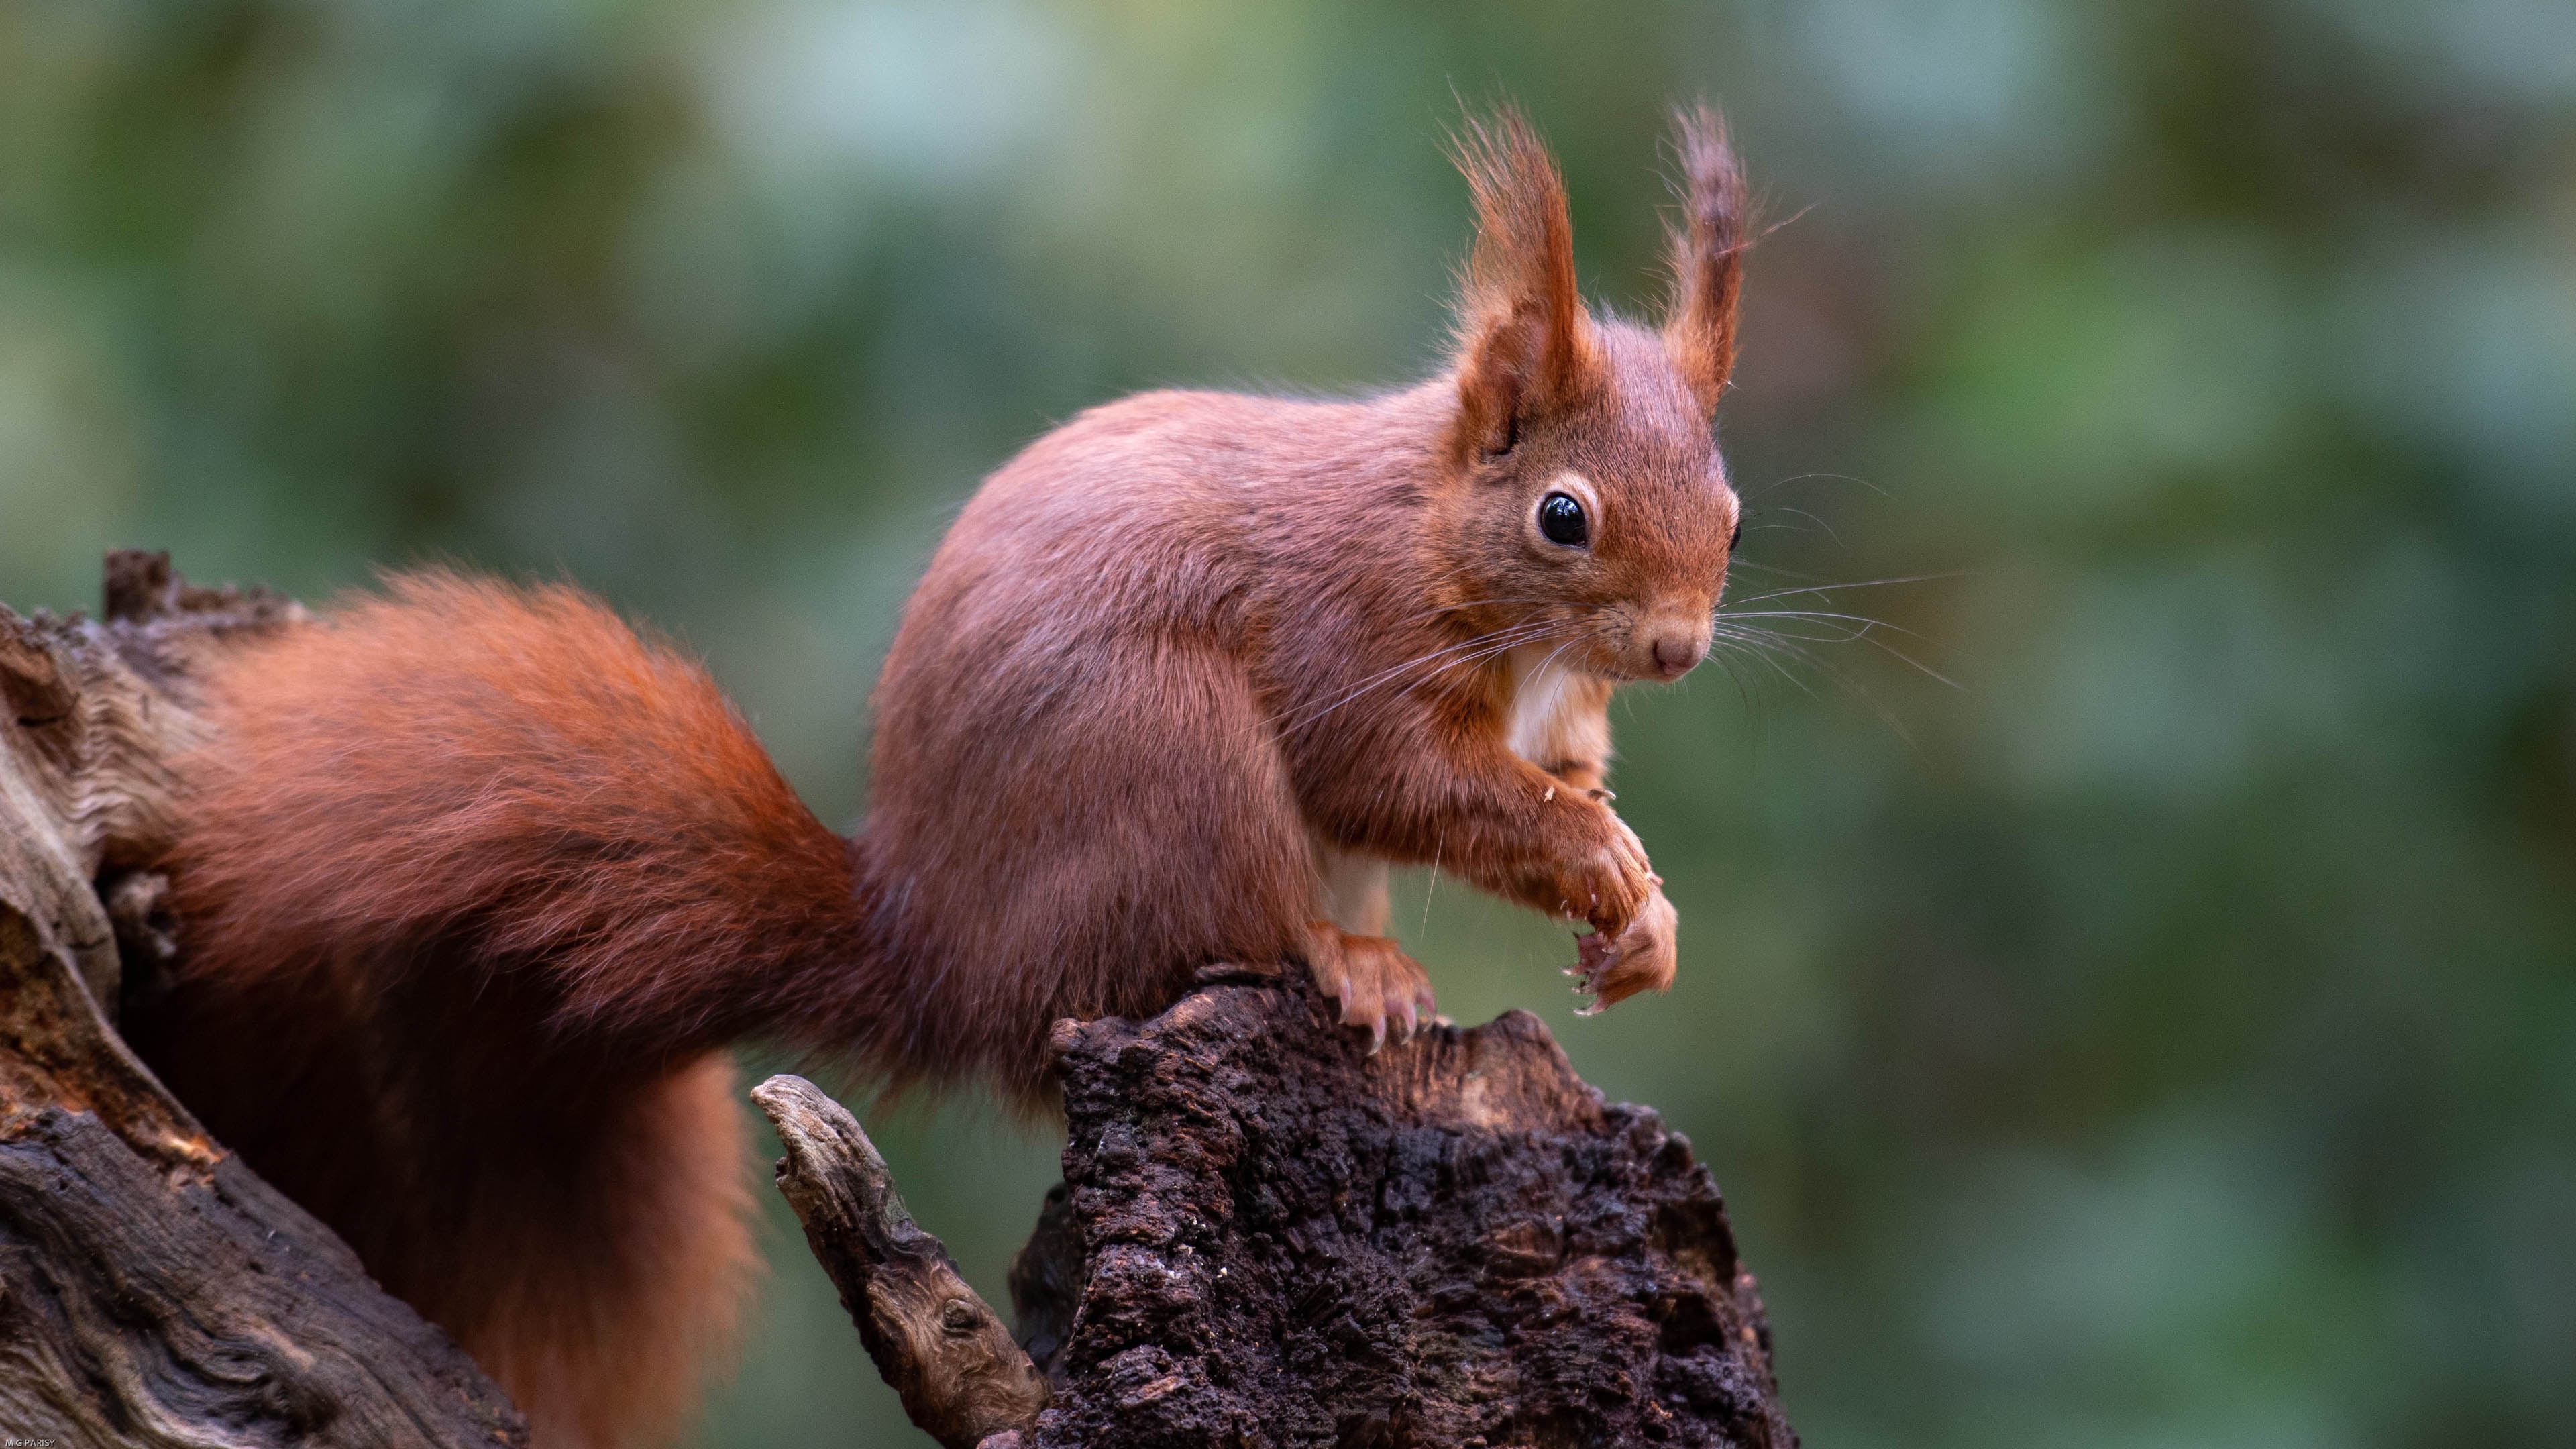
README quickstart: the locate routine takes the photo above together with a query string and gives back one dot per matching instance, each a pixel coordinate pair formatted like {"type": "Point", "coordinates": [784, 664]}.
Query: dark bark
{"type": "Point", "coordinates": [1270, 1237]}
{"type": "Point", "coordinates": [152, 1289]}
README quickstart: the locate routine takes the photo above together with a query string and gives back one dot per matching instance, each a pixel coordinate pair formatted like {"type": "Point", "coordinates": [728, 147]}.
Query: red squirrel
{"type": "Point", "coordinates": [477, 885]}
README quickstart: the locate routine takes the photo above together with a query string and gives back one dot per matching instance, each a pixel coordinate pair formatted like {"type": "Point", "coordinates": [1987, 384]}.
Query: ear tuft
{"type": "Point", "coordinates": [1707, 252]}
{"type": "Point", "coordinates": [1523, 344]}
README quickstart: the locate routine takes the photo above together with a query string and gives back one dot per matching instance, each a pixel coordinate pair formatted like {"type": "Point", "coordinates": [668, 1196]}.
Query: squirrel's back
{"type": "Point", "coordinates": [476, 886]}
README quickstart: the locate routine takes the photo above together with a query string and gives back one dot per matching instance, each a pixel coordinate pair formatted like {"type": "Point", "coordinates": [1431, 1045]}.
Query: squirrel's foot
{"type": "Point", "coordinates": [1640, 958]}
{"type": "Point", "coordinates": [1380, 988]}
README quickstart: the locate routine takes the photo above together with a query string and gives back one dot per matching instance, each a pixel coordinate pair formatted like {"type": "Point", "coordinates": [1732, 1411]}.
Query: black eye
{"type": "Point", "coordinates": [1736, 537]}
{"type": "Point", "coordinates": [1560, 520]}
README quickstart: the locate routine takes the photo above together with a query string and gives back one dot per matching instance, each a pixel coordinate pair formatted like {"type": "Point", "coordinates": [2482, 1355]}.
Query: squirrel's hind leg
{"type": "Point", "coordinates": [1354, 889]}
{"type": "Point", "coordinates": [1379, 986]}
{"type": "Point", "coordinates": [1353, 959]}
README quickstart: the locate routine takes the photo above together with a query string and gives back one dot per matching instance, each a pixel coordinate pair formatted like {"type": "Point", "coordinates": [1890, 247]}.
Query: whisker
{"type": "Point", "coordinates": [1474, 648]}
{"type": "Point", "coordinates": [1827, 477]}
{"type": "Point", "coordinates": [1724, 660]}
{"type": "Point", "coordinates": [1857, 584]}
{"type": "Point", "coordinates": [1802, 513]}
{"type": "Point", "coordinates": [1468, 651]}
{"type": "Point", "coordinates": [1927, 669]}
{"type": "Point", "coordinates": [1867, 631]}
{"type": "Point", "coordinates": [1748, 650]}
{"type": "Point", "coordinates": [1849, 686]}
{"type": "Point", "coordinates": [1865, 621]}
{"type": "Point", "coordinates": [1460, 607]}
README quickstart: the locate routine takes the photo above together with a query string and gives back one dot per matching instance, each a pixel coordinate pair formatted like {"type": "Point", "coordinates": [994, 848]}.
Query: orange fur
{"type": "Point", "coordinates": [1707, 252]}
{"type": "Point", "coordinates": [477, 885]}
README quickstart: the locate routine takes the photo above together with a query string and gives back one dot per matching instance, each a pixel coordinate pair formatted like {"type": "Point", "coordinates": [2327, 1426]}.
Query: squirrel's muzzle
{"type": "Point", "coordinates": [1678, 652]}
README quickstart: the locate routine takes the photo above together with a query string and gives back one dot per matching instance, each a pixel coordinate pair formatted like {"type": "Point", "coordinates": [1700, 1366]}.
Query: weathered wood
{"type": "Point", "coordinates": [1269, 1236]}
{"type": "Point", "coordinates": [152, 1289]}
{"type": "Point", "coordinates": [944, 1351]}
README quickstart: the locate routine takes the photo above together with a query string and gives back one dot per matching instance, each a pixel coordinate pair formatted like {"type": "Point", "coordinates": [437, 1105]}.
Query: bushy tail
{"type": "Point", "coordinates": [474, 884]}
{"type": "Point", "coordinates": [514, 774]}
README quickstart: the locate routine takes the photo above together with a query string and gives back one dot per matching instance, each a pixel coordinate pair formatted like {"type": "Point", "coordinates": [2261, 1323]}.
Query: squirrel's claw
{"type": "Point", "coordinates": [1640, 958]}
{"type": "Point", "coordinates": [1379, 987]}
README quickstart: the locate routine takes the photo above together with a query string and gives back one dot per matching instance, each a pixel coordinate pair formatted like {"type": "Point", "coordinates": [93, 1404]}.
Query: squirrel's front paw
{"type": "Point", "coordinates": [1379, 986]}
{"type": "Point", "coordinates": [1640, 958]}
{"type": "Point", "coordinates": [1613, 881]}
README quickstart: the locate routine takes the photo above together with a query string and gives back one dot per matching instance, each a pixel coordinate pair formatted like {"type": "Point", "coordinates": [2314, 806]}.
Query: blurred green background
{"type": "Point", "coordinates": [2166, 1037]}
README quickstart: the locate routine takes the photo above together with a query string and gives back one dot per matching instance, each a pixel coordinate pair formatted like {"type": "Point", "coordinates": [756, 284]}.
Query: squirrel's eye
{"type": "Point", "coordinates": [1560, 520]}
{"type": "Point", "coordinates": [1736, 537]}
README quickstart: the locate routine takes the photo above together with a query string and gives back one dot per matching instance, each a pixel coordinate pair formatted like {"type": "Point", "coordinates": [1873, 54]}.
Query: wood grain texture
{"type": "Point", "coordinates": [152, 1289]}
{"type": "Point", "coordinates": [946, 1352]}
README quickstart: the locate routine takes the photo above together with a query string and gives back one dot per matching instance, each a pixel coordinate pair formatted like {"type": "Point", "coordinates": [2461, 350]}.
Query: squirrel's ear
{"type": "Point", "coordinates": [1707, 256]}
{"type": "Point", "coordinates": [1523, 342]}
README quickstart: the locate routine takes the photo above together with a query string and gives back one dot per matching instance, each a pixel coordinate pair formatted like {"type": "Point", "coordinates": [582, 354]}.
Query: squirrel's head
{"type": "Point", "coordinates": [1584, 503]}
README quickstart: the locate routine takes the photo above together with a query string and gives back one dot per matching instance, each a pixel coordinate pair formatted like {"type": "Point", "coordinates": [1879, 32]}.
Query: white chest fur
{"type": "Point", "coordinates": [1548, 703]}
{"type": "Point", "coordinates": [1556, 720]}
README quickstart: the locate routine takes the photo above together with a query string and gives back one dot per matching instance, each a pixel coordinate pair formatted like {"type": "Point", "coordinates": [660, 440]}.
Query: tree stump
{"type": "Point", "coordinates": [1286, 1240]}
{"type": "Point", "coordinates": [1269, 1237]}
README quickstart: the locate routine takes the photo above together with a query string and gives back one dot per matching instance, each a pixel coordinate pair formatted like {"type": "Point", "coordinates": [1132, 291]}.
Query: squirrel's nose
{"type": "Point", "coordinates": [1676, 653]}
